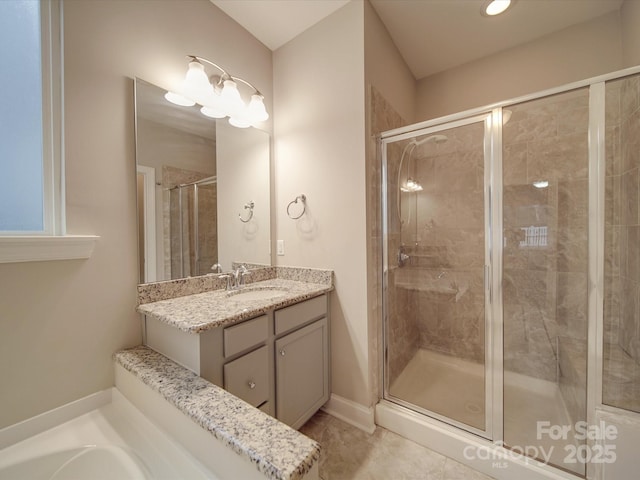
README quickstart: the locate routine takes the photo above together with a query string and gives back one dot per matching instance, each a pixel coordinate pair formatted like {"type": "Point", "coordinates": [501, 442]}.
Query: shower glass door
{"type": "Point", "coordinates": [436, 250]}
{"type": "Point", "coordinates": [545, 166]}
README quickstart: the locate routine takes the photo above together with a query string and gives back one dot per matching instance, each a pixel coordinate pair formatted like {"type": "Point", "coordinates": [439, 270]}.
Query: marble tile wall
{"type": "Point", "coordinates": [382, 117]}
{"type": "Point", "coordinates": [545, 251]}
{"type": "Point", "coordinates": [621, 380]}
{"type": "Point", "coordinates": [443, 233]}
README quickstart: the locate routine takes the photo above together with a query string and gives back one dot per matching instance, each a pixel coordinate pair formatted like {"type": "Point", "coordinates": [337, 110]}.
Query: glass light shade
{"type": "Point", "coordinates": [196, 83]}
{"type": "Point", "coordinates": [257, 110]}
{"type": "Point", "coordinates": [213, 100]}
{"type": "Point", "coordinates": [241, 118]}
{"type": "Point", "coordinates": [497, 7]}
{"type": "Point", "coordinates": [178, 99]}
{"type": "Point", "coordinates": [231, 98]}
{"type": "Point", "coordinates": [213, 112]}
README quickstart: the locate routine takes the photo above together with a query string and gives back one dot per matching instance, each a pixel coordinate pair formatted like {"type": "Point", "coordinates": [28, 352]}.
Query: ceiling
{"type": "Point", "coordinates": [431, 35]}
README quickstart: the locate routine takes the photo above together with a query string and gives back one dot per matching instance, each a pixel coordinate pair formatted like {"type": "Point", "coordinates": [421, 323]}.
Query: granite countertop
{"type": "Point", "coordinates": [203, 311]}
{"type": "Point", "coordinates": [278, 451]}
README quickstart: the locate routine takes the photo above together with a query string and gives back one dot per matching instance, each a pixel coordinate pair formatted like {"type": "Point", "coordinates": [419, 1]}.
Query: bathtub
{"type": "Point", "coordinates": [90, 461]}
{"type": "Point", "coordinates": [113, 441]}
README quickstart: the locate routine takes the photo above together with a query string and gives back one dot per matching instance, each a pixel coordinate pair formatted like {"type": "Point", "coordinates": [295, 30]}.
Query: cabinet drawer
{"type": "Point", "coordinates": [248, 377]}
{"type": "Point", "coordinates": [245, 335]}
{"type": "Point", "coordinates": [296, 315]}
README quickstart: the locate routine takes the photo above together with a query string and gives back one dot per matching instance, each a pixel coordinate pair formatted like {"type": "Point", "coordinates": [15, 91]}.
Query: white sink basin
{"type": "Point", "coordinates": [258, 294]}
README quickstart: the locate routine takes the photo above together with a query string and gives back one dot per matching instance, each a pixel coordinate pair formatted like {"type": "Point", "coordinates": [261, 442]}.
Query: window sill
{"type": "Point", "coordinates": [45, 248]}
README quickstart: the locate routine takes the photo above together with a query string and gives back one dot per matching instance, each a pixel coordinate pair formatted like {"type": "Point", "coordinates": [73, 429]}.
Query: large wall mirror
{"type": "Point", "coordinates": [203, 190]}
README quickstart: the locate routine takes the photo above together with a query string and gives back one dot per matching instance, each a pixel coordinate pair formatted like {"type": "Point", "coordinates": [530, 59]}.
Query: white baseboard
{"type": "Point", "coordinates": [351, 412]}
{"type": "Point", "coordinates": [38, 424]}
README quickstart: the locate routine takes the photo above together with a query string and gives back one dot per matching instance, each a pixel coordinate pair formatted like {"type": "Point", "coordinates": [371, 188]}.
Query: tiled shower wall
{"type": "Point", "coordinates": [401, 331]}
{"type": "Point", "coordinates": [443, 230]}
{"type": "Point", "coordinates": [621, 379]}
{"type": "Point", "coordinates": [545, 251]}
{"type": "Point", "coordinates": [629, 335]}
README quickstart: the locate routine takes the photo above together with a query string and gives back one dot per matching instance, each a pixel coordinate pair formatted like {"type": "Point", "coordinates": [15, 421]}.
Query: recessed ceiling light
{"type": "Point", "coordinates": [495, 7]}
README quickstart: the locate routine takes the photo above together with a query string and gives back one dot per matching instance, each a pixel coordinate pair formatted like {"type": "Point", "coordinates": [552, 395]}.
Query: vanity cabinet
{"type": "Point", "coordinates": [278, 361]}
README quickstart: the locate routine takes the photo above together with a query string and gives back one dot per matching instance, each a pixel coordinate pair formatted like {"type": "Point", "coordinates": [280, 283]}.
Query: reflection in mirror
{"type": "Point", "coordinates": [195, 177]}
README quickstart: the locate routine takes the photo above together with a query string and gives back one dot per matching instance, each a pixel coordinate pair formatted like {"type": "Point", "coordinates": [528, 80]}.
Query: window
{"type": "Point", "coordinates": [31, 183]}
{"type": "Point", "coordinates": [21, 126]}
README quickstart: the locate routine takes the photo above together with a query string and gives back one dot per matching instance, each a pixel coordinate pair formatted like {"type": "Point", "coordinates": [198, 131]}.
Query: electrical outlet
{"type": "Point", "coordinates": [280, 247]}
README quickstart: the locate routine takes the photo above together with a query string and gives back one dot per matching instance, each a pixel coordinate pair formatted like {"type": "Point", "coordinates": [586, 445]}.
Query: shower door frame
{"type": "Point", "coordinates": [596, 223]}
{"type": "Point", "coordinates": [492, 194]}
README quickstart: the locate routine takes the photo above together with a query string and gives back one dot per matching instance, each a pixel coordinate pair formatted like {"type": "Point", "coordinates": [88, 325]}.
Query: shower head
{"type": "Point", "coordinates": [431, 138]}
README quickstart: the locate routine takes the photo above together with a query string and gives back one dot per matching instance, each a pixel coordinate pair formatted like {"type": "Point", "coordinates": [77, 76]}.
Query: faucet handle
{"type": "Point", "coordinates": [243, 273]}
{"type": "Point", "coordinates": [226, 277]}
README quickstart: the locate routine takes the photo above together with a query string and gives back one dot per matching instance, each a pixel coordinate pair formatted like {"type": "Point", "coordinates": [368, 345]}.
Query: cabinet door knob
{"type": "Point", "coordinates": [283, 353]}
{"type": "Point", "coordinates": [252, 385]}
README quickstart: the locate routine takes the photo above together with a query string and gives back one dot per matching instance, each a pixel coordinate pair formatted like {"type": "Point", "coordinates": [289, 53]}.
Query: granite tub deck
{"type": "Point", "coordinates": [202, 311]}
{"type": "Point", "coordinates": [276, 450]}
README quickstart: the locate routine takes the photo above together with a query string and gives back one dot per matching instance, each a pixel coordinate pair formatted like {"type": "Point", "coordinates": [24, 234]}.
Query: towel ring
{"type": "Point", "coordinates": [247, 206]}
{"type": "Point", "coordinates": [303, 199]}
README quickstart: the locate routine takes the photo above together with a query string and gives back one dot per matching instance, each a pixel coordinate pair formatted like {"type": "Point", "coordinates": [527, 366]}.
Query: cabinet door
{"type": "Point", "coordinates": [302, 373]}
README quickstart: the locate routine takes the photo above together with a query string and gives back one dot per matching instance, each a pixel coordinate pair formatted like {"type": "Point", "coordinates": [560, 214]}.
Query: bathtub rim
{"type": "Point", "coordinates": [20, 431]}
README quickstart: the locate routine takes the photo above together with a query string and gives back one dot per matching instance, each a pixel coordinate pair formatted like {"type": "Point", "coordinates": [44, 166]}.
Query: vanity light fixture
{"type": "Point", "coordinates": [218, 95]}
{"type": "Point", "coordinates": [541, 184]}
{"type": "Point", "coordinates": [495, 7]}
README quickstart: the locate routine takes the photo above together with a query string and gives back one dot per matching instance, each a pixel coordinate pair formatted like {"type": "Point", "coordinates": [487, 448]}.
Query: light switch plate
{"type": "Point", "coordinates": [280, 247]}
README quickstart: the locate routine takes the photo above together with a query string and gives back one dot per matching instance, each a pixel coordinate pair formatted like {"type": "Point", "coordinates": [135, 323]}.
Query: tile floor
{"type": "Point", "coordinates": [351, 454]}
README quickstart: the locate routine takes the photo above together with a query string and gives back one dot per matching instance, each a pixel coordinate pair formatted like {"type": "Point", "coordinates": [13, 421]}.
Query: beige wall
{"type": "Point", "coordinates": [630, 19]}
{"type": "Point", "coordinates": [579, 52]}
{"type": "Point", "coordinates": [62, 321]}
{"type": "Point", "coordinates": [385, 68]}
{"type": "Point", "coordinates": [320, 151]}
{"type": "Point", "coordinates": [243, 176]}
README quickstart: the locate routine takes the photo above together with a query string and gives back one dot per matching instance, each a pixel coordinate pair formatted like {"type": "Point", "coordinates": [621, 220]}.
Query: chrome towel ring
{"type": "Point", "coordinates": [247, 206]}
{"type": "Point", "coordinates": [303, 199]}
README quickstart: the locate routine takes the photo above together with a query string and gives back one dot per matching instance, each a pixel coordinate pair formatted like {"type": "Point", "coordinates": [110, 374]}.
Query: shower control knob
{"type": "Point", "coordinates": [283, 353]}
{"type": "Point", "coordinates": [252, 385]}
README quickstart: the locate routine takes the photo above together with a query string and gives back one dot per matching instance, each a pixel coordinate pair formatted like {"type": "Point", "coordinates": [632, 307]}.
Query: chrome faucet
{"type": "Point", "coordinates": [217, 268]}
{"type": "Point", "coordinates": [235, 278]}
{"type": "Point", "coordinates": [239, 275]}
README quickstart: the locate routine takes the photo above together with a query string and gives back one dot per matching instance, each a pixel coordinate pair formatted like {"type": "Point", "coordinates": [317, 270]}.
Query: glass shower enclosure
{"type": "Point", "coordinates": [510, 266]}
{"type": "Point", "coordinates": [192, 228]}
